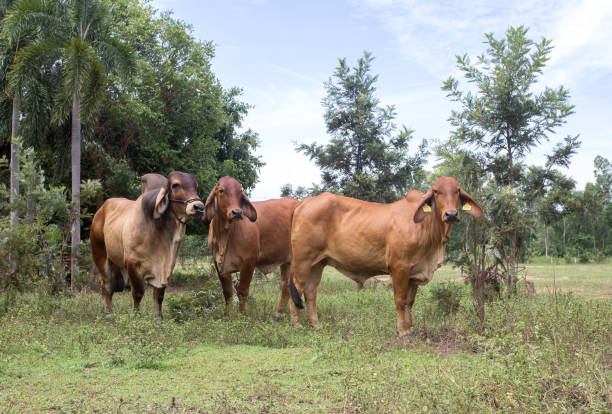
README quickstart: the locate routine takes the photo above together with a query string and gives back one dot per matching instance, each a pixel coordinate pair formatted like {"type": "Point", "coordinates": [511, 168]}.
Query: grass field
{"type": "Point", "coordinates": [549, 352]}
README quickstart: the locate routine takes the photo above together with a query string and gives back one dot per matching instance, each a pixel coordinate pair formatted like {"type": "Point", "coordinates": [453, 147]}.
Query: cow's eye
{"type": "Point", "coordinates": [435, 191]}
{"type": "Point", "coordinates": [176, 186]}
{"type": "Point", "coordinates": [221, 191]}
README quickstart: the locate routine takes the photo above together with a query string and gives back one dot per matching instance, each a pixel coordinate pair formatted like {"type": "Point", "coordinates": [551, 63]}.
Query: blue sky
{"type": "Point", "coordinates": [281, 53]}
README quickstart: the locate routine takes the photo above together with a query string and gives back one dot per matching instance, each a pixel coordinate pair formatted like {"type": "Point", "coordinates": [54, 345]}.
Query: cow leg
{"type": "Point", "coordinates": [285, 292]}
{"type": "Point", "coordinates": [106, 285]}
{"type": "Point", "coordinates": [158, 298]}
{"type": "Point", "coordinates": [412, 290]}
{"type": "Point", "coordinates": [310, 294]}
{"type": "Point", "coordinates": [137, 285]}
{"type": "Point", "coordinates": [401, 288]}
{"type": "Point", "coordinates": [105, 273]}
{"type": "Point", "coordinates": [299, 273]}
{"type": "Point", "coordinates": [246, 274]}
{"type": "Point", "coordinates": [228, 290]}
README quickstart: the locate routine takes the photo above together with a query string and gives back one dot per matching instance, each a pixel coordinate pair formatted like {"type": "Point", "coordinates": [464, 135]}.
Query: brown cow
{"type": "Point", "coordinates": [140, 239]}
{"type": "Point", "coordinates": [363, 239]}
{"type": "Point", "coordinates": [238, 245]}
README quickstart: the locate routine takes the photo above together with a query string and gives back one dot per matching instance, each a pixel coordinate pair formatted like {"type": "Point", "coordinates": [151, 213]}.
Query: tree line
{"type": "Point", "coordinates": [102, 93]}
{"type": "Point", "coordinates": [500, 118]}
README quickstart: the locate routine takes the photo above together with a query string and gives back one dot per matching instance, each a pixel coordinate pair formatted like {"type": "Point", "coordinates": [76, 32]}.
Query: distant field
{"type": "Point", "coordinates": [542, 353]}
{"type": "Point", "coordinates": [584, 279]}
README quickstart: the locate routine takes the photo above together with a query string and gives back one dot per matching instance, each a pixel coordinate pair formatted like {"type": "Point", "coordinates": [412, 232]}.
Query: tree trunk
{"type": "Point", "coordinates": [545, 240]}
{"type": "Point", "coordinates": [512, 263]}
{"type": "Point", "coordinates": [14, 157]}
{"type": "Point", "coordinates": [593, 230]}
{"type": "Point", "coordinates": [563, 236]}
{"type": "Point", "coordinates": [76, 190]}
{"type": "Point", "coordinates": [14, 169]}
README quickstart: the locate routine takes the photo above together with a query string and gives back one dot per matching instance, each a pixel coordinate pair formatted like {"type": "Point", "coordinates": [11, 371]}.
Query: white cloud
{"type": "Point", "coordinates": [432, 33]}
{"type": "Point", "coordinates": [282, 116]}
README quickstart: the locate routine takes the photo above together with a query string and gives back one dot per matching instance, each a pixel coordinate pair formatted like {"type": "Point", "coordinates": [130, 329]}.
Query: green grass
{"type": "Point", "coordinates": [593, 280]}
{"type": "Point", "coordinates": [542, 353]}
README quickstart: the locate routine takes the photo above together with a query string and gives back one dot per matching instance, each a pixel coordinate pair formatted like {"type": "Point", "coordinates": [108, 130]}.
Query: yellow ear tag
{"type": "Point", "coordinates": [426, 208]}
{"type": "Point", "coordinates": [467, 207]}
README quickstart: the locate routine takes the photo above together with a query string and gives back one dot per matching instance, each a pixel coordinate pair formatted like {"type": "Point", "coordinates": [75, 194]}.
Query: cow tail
{"type": "Point", "coordinates": [295, 295]}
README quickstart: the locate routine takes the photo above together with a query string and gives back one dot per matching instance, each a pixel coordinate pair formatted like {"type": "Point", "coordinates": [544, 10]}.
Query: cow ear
{"type": "Point", "coordinates": [469, 205]}
{"type": "Point", "coordinates": [161, 203]}
{"type": "Point", "coordinates": [425, 206]}
{"type": "Point", "coordinates": [210, 206]}
{"type": "Point", "coordinates": [247, 208]}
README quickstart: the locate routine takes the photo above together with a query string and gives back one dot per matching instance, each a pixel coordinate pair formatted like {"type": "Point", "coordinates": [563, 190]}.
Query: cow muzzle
{"type": "Point", "coordinates": [237, 214]}
{"type": "Point", "coordinates": [193, 206]}
{"type": "Point", "coordinates": [451, 216]}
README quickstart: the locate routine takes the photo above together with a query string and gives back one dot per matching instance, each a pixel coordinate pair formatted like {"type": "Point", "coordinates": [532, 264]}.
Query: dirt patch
{"type": "Point", "coordinates": [529, 277]}
{"type": "Point", "coordinates": [584, 292]}
{"type": "Point", "coordinates": [384, 279]}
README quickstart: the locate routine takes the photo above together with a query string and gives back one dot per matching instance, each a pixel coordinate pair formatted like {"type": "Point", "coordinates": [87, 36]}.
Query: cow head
{"type": "Point", "coordinates": [228, 202]}
{"type": "Point", "coordinates": [442, 199]}
{"type": "Point", "coordinates": [179, 192]}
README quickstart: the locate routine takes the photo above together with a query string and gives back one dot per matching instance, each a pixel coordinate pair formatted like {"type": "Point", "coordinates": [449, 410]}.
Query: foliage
{"type": "Point", "coordinates": [500, 120]}
{"type": "Point", "coordinates": [40, 241]}
{"type": "Point", "coordinates": [366, 158]}
{"type": "Point", "coordinates": [194, 304]}
{"type": "Point", "coordinates": [300, 192]}
{"type": "Point", "coordinates": [172, 114]}
{"type": "Point", "coordinates": [447, 297]}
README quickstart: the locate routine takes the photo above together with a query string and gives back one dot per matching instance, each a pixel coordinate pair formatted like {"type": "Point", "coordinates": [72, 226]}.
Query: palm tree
{"type": "Point", "coordinates": [10, 12]}
{"type": "Point", "coordinates": [77, 39]}
{"type": "Point", "coordinates": [10, 48]}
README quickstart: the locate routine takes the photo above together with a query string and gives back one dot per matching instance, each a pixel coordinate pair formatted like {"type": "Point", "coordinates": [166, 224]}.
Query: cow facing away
{"type": "Point", "coordinates": [139, 240]}
{"type": "Point", "coordinates": [361, 239]}
{"type": "Point", "coordinates": [238, 245]}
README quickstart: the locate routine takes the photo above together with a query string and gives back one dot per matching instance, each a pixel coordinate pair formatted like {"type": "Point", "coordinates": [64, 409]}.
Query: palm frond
{"type": "Point", "coordinates": [30, 59]}
{"type": "Point", "coordinates": [116, 56]}
{"type": "Point", "coordinates": [92, 89]}
{"type": "Point", "coordinates": [32, 18]}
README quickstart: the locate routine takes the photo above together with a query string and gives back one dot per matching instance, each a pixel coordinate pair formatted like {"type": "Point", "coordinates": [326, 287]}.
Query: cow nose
{"type": "Point", "coordinates": [198, 207]}
{"type": "Point", "coordinates": [237, 213]}
{"type": "Point", "coordinates": [451, 215]}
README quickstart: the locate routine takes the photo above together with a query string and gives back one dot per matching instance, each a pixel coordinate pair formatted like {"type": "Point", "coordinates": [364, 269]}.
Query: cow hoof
{"type": "Point", "coordinates": [278, 316]}
{"type": "Point", "coordinates": [409, 336]}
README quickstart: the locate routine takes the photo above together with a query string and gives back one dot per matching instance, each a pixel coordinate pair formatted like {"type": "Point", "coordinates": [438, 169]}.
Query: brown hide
{"type": "Point", "coordinates": [241, 245]}
{"type": "Point", "coordinates": [363, 239]}
{"type": "Point", "coordinates": [139, 240]}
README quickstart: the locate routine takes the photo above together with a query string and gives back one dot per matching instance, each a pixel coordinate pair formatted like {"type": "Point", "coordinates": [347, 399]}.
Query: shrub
{"type": "Point", "coordinates": [36, 250]}
{"type": "Point", "coordinates": [195, 304]}
{"type": "Point", "coordinates": [447, 297]}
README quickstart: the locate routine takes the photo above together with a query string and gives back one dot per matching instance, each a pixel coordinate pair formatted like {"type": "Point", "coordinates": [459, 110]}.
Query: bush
{"type": "Point", "coordinates": [193, 249]}
{"type": "Point", "coordinates": [195, 304]}
{"type": "Point", "coordinates": [447, 297]}
{"type": "Point", "coordinates": [36, 251]}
